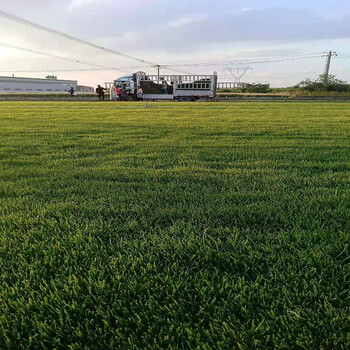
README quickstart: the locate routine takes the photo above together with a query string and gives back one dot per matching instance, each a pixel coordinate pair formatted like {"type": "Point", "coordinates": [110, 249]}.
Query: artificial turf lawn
{"type": "Point", "coordinates": [182, 226]}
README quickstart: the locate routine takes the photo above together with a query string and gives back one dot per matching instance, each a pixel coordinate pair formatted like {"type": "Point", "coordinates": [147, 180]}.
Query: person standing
{"type": "Point", "coordinates": [124, 90]}
{"type": "Point", "coordinates": [100, 92]}
{"type": "Point", "coordinates": [118, 92]}
{"type": "Point", "coordinates": [71, 91]}
{"type": "Point", "coordinates": [139, 93]}
{"type": "Point", "coordinates": [164, 86]}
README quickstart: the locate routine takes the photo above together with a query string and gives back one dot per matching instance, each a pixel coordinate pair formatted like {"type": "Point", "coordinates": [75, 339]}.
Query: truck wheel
{"type": "Point", "coordinates": [185, 99]}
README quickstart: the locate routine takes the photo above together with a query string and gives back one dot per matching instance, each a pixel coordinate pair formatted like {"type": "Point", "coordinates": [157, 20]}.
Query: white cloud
{"type": "Point", "coordinates": [83, 3]}
{"type": "Point", "coordinates": [188, 20]}
{"type": "Point", "coordinates": [244, 9]}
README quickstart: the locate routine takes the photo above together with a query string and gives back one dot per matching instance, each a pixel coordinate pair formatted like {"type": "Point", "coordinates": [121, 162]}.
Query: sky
{"type": "Point", "coordinates": [177, 32]}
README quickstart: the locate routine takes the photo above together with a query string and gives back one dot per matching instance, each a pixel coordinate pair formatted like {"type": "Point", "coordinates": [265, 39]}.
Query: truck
{"type": "Point", "coordinates": [182, 88]}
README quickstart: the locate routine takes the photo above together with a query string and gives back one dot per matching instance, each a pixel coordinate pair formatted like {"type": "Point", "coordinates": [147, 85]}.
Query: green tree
{"type": "Point", "coordinates": [323, 84]}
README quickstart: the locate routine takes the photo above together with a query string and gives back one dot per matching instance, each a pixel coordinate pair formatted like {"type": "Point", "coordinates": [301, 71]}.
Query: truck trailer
{"type": "Point", "coordinates": [166, 87]}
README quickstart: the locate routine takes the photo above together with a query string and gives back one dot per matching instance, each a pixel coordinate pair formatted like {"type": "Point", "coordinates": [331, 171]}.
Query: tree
{"type": "Point", "coordinates": [323, 84]}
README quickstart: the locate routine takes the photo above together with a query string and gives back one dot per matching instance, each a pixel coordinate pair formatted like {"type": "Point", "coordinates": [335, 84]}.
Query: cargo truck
{"type": "Point", "coordinates": [166, 87]}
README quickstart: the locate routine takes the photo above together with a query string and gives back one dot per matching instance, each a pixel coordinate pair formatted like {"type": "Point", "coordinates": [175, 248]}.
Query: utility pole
{"type": "Point", "coordinates": [329, 56]}
{"type": "Point", "coordinates": [158, 70]}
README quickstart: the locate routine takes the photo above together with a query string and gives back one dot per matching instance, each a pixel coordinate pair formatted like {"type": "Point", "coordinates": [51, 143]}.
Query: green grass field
{"type": "Point", "coordinates": [181, 226]}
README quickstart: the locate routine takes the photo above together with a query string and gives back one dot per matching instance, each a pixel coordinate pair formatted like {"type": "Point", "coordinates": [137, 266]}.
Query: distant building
{"type": "Point", "coordinates": [36, 85]}
{"type": "Point", "coordinates": [83, 88]}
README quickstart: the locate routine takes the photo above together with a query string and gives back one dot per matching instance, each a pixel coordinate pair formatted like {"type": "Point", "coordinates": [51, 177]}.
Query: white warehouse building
{"type": "Point", "coordinates": [36, 85]}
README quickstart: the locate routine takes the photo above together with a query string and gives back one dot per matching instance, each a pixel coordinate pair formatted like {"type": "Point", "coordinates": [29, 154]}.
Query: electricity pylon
{"type": "Point", "coordinates": [237, 73]}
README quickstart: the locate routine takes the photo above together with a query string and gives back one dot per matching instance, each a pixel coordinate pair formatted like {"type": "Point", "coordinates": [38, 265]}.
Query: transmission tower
{"type": "Point", "coordinates": [237, 73]}
{"type": "Point", "coordinates": [329, 55]}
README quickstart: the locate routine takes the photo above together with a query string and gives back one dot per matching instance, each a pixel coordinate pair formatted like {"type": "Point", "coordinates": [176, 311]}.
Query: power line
{"type": "Point", "coordinates": [78, 40]}
{"type": "Point", "coordinates": [343, 55]}
{"type": "Point", "coordinates": [165, 67]}
{"type": "Point", "coordinates": [67, 36]}
{"type": "Point", "coordinates": [84, 42]}
{"type": "Point", "coordinates": [57, 56]}
{"type": "Point", "coordinates": [64, 70]}
{"type": "Point", "coordinates": [258, 61]}
{"type": "Point", "coordinates": [104, 68]}
{"type": "Point", "coordinates": [77, 70]}
{"type": "Point", "coordinates": [169, 67]}
{"type": "Point", "coordinates": [176, 70]}
{"type": "Point", "coordinates": [249, 61]}
{"type": "Point", "coordinates": [98, 67]}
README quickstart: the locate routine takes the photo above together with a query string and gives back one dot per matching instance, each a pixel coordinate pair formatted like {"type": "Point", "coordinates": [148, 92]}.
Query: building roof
{"type": "Point", "coordinates": [37, 80]}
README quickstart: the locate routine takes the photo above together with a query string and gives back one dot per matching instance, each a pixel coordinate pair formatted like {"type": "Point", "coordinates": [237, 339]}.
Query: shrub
{"type": "Point", "coordinates": [324, 84]}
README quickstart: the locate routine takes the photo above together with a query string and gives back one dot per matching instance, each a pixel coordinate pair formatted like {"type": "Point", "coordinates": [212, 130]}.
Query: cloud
{"type": "Point", "coordinates": [75, 4]}
{"type": "Point", "coordinates": [203, 30]}
{"type": "Point", "coordinates": [244, 9]}
{"type": "Point", "coordinates": [183, 21]}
